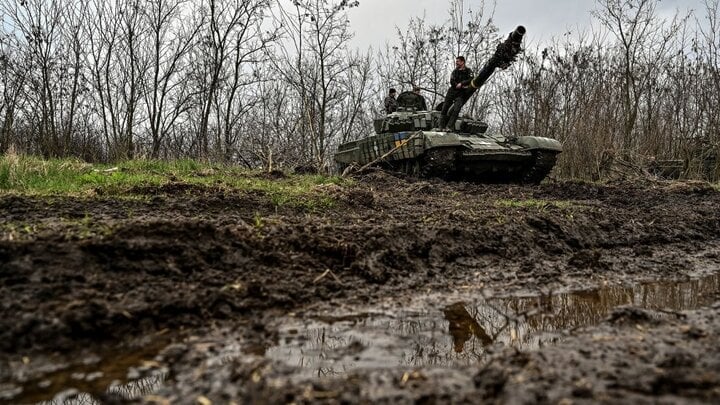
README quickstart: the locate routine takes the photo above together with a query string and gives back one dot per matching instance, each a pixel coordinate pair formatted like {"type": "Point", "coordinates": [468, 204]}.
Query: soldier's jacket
{"type": "Point", "coordinates": [391, 104]}
{"type": "Point", "coordinates": [461, 76]}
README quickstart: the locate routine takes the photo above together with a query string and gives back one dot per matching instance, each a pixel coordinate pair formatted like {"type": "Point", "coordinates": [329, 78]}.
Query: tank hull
{"type": "Point", "coordinates": [463, 156]}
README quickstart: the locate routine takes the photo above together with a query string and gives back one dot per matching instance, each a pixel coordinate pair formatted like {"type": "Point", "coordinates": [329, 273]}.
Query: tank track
{"type": "Point", "coordinates": [440, 162]}
{"type": "Point", "coordinates": [543, 163]}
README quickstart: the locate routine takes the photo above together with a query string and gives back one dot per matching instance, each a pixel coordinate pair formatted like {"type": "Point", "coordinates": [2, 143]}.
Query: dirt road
{"type": "Point", "coordinates": [400, 291]}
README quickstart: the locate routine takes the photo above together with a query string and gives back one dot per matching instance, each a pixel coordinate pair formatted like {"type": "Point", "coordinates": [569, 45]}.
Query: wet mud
{"type": "Point", "coordinates": [400, 291]}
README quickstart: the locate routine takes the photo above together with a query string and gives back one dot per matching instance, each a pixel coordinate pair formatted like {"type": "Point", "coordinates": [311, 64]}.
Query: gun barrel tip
{"type": "Point", "coordinates": [520, 29]}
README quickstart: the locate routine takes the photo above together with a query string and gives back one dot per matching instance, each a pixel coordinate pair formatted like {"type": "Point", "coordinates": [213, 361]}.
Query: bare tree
{"type": "Point", "coordinates": [276, 114]}
{"type": "Point", "coordinates": [36, 25]}
{"type": "Point", "coordinates": [317, 55]}
{"type": "Point", "coordinates": [117, 61]}
{"type": "Point", "coordinates": [13, 73]}
{"type": "Point", "coordinates": [102, 29]}
{"type": "Point", "coordinates": [643, 39]}
{"type": "Point", "coordinates": [420, 58]}
{"type": "Point", "coordinates": [355, 114]}
{"type": "Point", "coordinates": [707, 46]}
{"type": "Point", "coordinates": [134, 67]}
{"type": "Point", "coordinates": [247, 46]}
{"type": "Point", "coordinates": [166, 94]}
{"type": "Point", "coordinates": [231, 39]}
{"type": "Point", "coordinates": [75, 44]}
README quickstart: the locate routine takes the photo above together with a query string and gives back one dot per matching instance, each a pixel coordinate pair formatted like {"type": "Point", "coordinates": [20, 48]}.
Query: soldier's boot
{"type": "Point", "coordinates": [442, 122]}
{"type": "Point", "coordinates": [451, 120]}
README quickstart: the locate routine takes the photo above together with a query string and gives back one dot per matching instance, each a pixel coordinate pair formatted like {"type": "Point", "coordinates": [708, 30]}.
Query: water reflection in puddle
{"type": "Point", "coordinates": [133, 390]}
{"type": "Point", "coordinates": [127, 374]}
{"type": "Point", "coordinates": [461, 332]}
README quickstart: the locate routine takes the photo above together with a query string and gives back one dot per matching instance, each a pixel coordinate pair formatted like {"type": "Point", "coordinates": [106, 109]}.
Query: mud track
{"type": "Point", "coordinates": [81, 275]}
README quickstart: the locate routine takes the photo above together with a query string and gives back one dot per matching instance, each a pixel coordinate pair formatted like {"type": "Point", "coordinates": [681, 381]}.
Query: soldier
{"type": "Point", "coordinates": [391, 104]}
{"type": "Point", "coordinates": [458, 93]}
{"type": "Point", "coordinates": [421, 104]}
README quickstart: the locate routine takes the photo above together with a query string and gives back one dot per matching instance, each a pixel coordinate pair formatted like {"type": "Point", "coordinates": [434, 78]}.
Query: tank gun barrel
{"type": "Point", "coordinates": [505, 54]}
{"type": "Point", "coordinates": [517, 35]}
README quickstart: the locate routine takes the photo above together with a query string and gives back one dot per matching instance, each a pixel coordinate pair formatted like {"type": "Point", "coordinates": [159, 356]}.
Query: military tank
{"type": "Point", "coordinates": [409, 140]}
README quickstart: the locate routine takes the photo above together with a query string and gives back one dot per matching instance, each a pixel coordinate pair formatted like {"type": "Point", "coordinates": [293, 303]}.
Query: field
{"type": "Point", "coordinates": [185, 283]}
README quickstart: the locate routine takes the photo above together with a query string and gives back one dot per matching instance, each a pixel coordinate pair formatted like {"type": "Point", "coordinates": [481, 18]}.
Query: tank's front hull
{"type": "Point", "coordinates": [488, 166]}
{"type": "Point", "coordinates": [493, 166]}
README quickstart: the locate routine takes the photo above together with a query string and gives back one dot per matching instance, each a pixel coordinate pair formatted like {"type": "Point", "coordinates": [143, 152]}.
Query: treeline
{"type": "Point", "coordinates": [267, 84]}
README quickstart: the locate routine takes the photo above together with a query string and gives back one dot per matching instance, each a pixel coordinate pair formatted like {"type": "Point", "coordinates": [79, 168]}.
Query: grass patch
{"type": "Point", "coordinates": [71, 229]}
{"type": "Point", "coordinates": [31, 175]}
{"type": "Point", "coordinates": [14, 231]}
{"type": "Point", "coordinates": [67, 177]}
{"type": "Point", "coordinates": [540, 205]}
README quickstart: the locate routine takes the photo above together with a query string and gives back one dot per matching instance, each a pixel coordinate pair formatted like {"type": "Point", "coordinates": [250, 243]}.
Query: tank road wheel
{"type": "Point", "coordinates": [439, 163]}
{"type": "Point", "coordinates": [543, 162]}
{"type": "Point", "coordinates": [411, 167]}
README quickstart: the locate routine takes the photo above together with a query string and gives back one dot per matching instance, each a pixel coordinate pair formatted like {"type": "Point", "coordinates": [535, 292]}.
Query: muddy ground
{"type": "Point", "coordinates": [187, 289]}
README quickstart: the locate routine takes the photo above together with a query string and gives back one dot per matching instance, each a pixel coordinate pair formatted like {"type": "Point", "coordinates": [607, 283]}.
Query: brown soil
{"type": "Point", "coordinates": [81, 275]}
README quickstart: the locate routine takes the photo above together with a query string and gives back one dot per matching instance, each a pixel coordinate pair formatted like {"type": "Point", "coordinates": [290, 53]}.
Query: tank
{"type": "Point", "coordinates": [409, 140]}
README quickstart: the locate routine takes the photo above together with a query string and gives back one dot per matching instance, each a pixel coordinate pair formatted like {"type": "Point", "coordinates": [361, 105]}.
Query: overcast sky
{"type": "Point", "coordinates": [374, 21]}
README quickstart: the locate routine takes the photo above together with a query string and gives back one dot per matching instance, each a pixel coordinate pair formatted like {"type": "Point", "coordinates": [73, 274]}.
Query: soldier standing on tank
{"type": "Point", "coordinates": [458, 93]}
{"type": "Point", "coordinates": [391, 104]}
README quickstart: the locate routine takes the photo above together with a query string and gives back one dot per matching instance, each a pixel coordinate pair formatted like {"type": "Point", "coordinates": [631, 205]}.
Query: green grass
{"type": "Point", "coordinates": [33, 176]}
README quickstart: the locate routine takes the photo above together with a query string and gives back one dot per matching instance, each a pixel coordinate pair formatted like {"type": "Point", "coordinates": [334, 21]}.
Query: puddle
{"type": "Point", "coordinates": [127, 374]}
{"type": "Point", "coordinates": [437, 331]}
{"type": "Point", "coordinates": [462, 332]}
